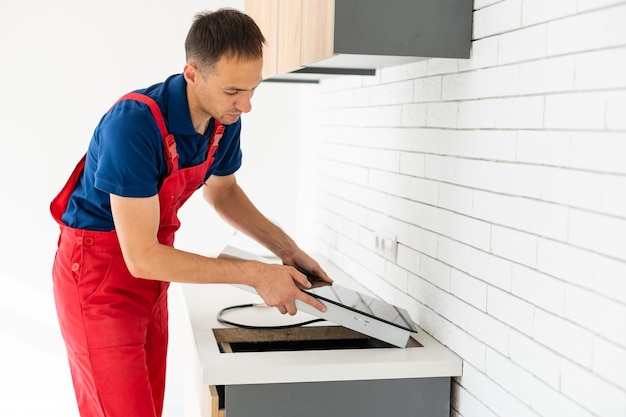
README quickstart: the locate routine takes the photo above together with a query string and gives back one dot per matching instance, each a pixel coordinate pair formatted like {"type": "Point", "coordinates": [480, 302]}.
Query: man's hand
{"type": "Point", "coordinates": [278, 286]}
{"type": "Point", "coordinates": [304, 263]}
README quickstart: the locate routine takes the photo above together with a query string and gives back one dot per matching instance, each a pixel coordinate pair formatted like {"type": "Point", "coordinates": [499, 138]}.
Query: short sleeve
{"type": "Point", "coordinates": [130, 151]}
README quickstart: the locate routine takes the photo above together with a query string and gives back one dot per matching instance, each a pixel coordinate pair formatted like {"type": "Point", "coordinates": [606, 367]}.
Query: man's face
{"type": "Point", "coordinates": [223, 93]}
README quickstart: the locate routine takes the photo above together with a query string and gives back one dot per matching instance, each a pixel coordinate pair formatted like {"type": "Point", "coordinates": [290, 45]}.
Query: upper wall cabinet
{"type": "Point", "coordinates": [358, 36]}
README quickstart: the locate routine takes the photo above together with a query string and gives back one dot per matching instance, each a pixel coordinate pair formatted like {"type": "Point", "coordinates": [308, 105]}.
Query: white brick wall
{"type": "Point", "coordinates": [504, 178]}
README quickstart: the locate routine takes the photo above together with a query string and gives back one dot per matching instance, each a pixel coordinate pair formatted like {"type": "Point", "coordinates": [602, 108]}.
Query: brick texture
{"type": "Point", "coordinates": [503, 178]}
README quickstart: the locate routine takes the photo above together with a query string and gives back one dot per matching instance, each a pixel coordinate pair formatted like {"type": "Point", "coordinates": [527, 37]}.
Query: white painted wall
{"type": "Point", "coordinates": [503, 177]}
{"type": "Point", "coordinates": [62, 64]}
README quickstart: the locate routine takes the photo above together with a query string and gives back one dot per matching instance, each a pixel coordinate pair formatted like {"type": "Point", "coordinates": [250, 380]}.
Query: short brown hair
{"type": "Point", "coordinates": [223, 33]}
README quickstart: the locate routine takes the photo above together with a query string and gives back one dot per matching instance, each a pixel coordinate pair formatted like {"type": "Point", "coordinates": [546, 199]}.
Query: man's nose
{"type": "Point", "coordinates": [244, 104]}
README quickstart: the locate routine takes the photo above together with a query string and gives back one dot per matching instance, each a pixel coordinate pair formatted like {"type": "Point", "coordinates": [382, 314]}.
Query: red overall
{"type": "Point", "coordinates": [115, 325]}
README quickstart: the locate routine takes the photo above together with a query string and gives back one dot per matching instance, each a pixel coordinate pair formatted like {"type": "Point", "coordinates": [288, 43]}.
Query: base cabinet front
{"type": "Point", "coordinates": [418, 397]}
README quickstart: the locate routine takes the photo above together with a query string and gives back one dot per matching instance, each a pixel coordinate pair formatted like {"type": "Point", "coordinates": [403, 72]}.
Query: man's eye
{"type": "Point", "coordinates": [231, 93]}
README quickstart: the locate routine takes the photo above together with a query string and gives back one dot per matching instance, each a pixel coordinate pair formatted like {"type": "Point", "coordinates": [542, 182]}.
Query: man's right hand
{"type": "Point", "coordinates": [278, 287]}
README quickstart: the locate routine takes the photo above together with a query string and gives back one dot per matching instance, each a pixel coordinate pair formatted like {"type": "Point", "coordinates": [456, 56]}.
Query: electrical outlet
{"type": "Point", "coordinates": [386, 245]}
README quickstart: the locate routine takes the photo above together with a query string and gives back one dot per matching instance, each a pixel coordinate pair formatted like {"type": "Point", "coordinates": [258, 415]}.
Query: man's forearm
{"type": "Point", "coordinates": [165, 263]}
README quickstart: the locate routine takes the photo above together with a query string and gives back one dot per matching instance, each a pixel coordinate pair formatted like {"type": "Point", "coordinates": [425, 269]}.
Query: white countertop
{"type": "Point", "coordinates": [203, 302]}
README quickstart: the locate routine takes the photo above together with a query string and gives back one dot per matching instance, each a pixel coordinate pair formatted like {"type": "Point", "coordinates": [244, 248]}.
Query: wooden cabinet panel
{"type": "Point", "coordinates": [265, 14]}
{"type": "Point", "coordinates": [289, 35]}
{"type": "Point", "coordinates": [317, 30]}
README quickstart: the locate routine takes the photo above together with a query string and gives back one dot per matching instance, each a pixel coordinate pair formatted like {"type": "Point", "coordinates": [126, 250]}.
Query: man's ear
{"type": "Point", "coordinates": [191, 73]}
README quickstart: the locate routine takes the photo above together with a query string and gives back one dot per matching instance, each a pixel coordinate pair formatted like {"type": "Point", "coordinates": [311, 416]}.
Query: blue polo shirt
{"type": "Point", "coordinates": [126, 155]}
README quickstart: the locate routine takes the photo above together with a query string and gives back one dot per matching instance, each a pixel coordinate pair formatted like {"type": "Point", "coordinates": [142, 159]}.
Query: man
{"type": "Point", "coordinates": [117, 215]}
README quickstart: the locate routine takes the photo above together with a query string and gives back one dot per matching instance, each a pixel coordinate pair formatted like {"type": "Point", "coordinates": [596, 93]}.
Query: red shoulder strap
{"type": "Point", "coordinates": [168, 139]}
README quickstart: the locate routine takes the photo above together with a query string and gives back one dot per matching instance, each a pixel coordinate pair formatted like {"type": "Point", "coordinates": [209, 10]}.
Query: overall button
{"type": "Point", "coordinates": [89, 240]}
{"type": "Point", "coordinates": [75, 267]}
